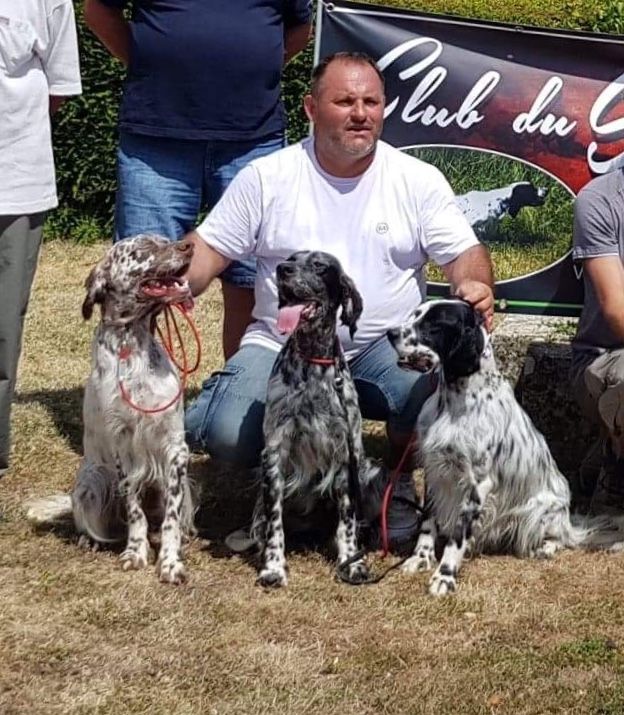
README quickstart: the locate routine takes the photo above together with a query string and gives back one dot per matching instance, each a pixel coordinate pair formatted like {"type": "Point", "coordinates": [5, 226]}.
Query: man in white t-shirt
{"type": "Point", "coordinates": [38, 69]}
{"type": "Point", "coordinates": [382, 213]}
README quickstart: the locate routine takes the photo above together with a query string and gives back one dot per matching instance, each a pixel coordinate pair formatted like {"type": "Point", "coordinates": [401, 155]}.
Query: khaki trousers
{"type": "Point", "coordinates": [20, 240]}
{"type": "Point", "coordinates": [599, 389]}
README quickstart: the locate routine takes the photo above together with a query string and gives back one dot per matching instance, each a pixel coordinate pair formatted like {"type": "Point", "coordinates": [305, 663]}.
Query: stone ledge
{"type": "Point", "coordinates": [534, 354]}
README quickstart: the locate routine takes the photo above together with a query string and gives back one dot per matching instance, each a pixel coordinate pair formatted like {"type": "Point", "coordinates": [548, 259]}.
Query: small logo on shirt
{"type": "Point", "coordinates": [382, 227]}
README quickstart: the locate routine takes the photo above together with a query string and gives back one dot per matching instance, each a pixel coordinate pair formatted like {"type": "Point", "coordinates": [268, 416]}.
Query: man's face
{"type": "Point", "coordinates": [347, 110]}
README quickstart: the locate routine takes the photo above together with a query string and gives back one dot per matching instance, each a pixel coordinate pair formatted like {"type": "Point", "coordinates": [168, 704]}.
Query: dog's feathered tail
{"type": "Point", "coordinates": [529, 532]}
{"type": "Point", "coordinates": [94, 506]}
{"type": "Point", "coordinates": [97, 508]}
{"type": "Point", "coordinates": [599, 533]}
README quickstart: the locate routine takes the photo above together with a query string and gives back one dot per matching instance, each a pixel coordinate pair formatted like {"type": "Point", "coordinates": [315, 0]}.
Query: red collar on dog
{"type": "Point", "coordinates": [322, 361]}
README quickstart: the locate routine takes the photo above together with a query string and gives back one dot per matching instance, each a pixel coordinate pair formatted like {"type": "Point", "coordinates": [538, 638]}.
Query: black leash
{"type": "Point", "coordinates": [343, 574]}
{"type": "Point", "coordinates": [342, 569]}
{"type": "Point", "coordinates": [353, 479]}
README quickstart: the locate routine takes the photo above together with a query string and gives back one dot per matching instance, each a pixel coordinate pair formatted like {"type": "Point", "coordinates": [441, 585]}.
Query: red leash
{"type": "Point", "coordinates": [385, 542]}
{"type": "Point", "coordinates": [168, 345]}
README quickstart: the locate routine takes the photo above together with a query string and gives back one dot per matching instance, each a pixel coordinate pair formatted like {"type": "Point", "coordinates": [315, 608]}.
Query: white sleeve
{"type": "Point", "coordinates": [59, 56]}
{"type": "Point", "coordinates": [446, 231]}
{"type": "Point", "coordinates": [231, 228]}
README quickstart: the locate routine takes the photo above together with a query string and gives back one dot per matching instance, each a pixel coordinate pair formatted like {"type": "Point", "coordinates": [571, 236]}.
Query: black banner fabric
{"type": "Point", "coordinates": [517, 118]}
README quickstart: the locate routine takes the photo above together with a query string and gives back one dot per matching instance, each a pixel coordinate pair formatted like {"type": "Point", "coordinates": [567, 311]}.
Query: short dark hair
{"type": "Point", "coordinates": [357, 57]}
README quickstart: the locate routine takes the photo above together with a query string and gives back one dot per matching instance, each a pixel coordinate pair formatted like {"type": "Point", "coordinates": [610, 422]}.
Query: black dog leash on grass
{"type": "Point", "coordinates": [342, 570]}
{"type": "Point", "coordinates": [343, 573]}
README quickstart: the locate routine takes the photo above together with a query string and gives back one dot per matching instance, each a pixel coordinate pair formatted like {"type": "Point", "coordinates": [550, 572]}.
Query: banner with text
{"type": "Point", "coordinates": [517, 118]}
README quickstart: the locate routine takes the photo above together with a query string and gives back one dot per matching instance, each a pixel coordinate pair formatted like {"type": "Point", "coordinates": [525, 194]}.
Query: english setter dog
{"type": "Point", "coordinates": [135, 455]}
{"type": "Point", "coordinates": [484, 209]}
{"type": "Point", "coordinates": [312, 423]}
{"type": "Point", "coordinates": [490, 478]}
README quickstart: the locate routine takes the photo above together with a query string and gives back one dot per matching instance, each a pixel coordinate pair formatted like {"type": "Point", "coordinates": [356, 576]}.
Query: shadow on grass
{"type": "Point", "coordinates": [65, 408]}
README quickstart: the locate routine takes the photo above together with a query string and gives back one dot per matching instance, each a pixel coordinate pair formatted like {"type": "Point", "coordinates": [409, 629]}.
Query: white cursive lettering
{"type": "Point", "coordinates": [414, 110]}
{"type": "Point", "coordinates": [610, 131]}
{"type": "Point", "coordinates": [532, 121]}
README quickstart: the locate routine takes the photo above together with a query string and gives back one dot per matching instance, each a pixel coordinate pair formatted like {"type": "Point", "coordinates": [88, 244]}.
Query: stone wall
{"type": "Point", "coordinates": [534, 354]}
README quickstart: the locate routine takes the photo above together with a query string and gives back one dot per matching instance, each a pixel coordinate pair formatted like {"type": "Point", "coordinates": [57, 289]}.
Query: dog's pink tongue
{"type": "Point", "coordinates": [288, 318]}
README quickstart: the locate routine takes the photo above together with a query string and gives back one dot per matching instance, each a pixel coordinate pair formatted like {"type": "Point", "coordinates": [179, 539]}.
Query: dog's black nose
{"type": "Point", "coordinates": [394, 334]}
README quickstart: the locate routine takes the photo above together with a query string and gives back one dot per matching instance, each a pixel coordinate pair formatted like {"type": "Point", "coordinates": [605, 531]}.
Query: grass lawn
{"type": "Point", "coordinates": [79, 636]}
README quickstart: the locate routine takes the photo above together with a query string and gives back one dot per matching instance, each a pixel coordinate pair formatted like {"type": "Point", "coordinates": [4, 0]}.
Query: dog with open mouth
{"type": "Point", "coordinates": [491, 481]}
{"type": "Point", "coordinates": [134, 471]}
{"type": "Point", "coordinates": [312, 424]}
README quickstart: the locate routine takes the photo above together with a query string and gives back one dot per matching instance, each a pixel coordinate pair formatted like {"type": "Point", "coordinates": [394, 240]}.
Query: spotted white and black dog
{"type": "Point", "coordinates": [484, 209]}
{"type": "Point", "coordinates": [312, 424]}
{"type": "Point", "coordinates": [490, 477]}
{"type": "Point", "coordinates": [135, 460]}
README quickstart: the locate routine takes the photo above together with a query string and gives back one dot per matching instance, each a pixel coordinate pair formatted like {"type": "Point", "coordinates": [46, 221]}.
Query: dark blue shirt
{"type": "Point", "coordinates": [207, 69]}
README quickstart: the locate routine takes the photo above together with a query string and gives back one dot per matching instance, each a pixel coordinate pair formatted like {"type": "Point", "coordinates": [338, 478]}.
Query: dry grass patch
{"type": "Point", "coordinates": [78, 636]}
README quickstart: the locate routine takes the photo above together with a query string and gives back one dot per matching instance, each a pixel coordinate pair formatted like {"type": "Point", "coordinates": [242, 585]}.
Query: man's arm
{"type": "Point", "coordinates": [55, 103]}
{"type": "Point", "coordinates": [295, 40]}
{"type": "Point", "coordinates": [472, 278]}
{"type": "Point", "coordinates": [606, 274]}
{"type": "Point", "coordinates": [110, 27]}
{"type": "Point", "coordinates": [206, 264]}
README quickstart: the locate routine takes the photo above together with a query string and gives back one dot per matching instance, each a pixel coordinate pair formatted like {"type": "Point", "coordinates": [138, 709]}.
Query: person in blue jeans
{"type": "Point", "coordinates": [201, 100]}
{"type": "Point", "coordinates": [383, 214]}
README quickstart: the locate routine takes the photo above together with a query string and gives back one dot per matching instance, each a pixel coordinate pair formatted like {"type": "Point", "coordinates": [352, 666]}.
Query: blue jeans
{"type": "Point", "coordinates": [163, 184]}
{"type": "Point", "coordinates": [226, 418]}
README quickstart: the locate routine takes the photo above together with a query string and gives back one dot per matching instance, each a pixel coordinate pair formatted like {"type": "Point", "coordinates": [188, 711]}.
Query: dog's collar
{"type": "Point", "coordinates": [321, 361]}
{"type": "Point", "coordinates": [325, 361]}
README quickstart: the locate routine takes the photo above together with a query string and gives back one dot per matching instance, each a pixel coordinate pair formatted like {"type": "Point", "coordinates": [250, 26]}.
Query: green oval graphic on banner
{"type": "Point", "coordinates": [521, 213]}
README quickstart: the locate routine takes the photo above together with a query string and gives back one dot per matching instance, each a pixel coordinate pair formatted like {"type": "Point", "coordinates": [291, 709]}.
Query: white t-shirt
{"type": "Point", "coordinates": [383, 226]}
{"type": "Point", "coordinates": [38, 58]}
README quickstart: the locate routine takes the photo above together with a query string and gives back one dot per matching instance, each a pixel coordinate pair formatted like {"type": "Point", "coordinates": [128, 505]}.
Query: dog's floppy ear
{"type": "Point", "coordinates": [464, 355]}
{"type": "Point", "coordinates": [351, 302]}
{"type": "Point", "coordinates": [95, 285]}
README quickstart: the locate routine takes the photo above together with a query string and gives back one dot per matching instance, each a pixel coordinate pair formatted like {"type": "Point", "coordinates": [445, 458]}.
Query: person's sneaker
{"type": "Point", "coordinates": [404, 515]}
{"type": "Point", "coordinates": [608, 496]}
{"type": "Point", "coordinates": [241, 540]}
{"type": "Point", "coordinates": [301, 529]}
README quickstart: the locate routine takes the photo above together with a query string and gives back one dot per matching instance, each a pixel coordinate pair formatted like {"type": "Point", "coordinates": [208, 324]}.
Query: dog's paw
{"type": "Point", "coordinates": [172, 572]}
{"type": "Point", "coordinates": [421, 561]}
{"type": "Point", "coordinates": [86, 543]}
{"type": "Point", "coordinates": [547, 550]}
{"type": "Point", "coordinates": [272, 578]}
{"type": "Point", "coordinates": [356, 572]}
{"type": "Point", "coordinates": [442, 585]}
{"type": "Point", "coordinates": [132, 559]}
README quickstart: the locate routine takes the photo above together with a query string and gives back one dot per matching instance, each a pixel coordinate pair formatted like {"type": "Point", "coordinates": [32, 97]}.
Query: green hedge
{"type": "Point", "coordinates": [85, 136]}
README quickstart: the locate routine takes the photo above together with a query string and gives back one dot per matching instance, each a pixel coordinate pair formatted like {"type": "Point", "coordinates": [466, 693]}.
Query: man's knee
{"type": "Point", "coordinates": [605, 372]}
{"type": "Point", "coordinates": [226, 418]}
{"type": "Point", "coordinates": [226, 433]}
{"type": "Point", "coordinates": [602, 393]}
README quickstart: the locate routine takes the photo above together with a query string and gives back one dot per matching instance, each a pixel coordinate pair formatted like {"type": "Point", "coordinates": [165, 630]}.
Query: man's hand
{"type": "Point", "coordinates": [472, 279]}
{"type": "Point", "coordinates": [480, 296]}
{"type": "Point", "coordinates": [206, 264]}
